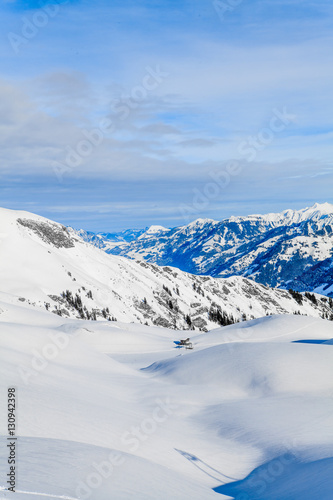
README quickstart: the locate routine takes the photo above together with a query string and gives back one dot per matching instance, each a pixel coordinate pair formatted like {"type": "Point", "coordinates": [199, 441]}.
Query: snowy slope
{"type": "Point", "coordinates": [288, 249]}
{"type": "Point", "coordinates": [44, 264]}
{"type": "Point", "coordinates": [116, 411]}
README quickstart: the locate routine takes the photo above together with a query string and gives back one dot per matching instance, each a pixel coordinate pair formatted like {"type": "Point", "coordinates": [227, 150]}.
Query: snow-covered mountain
{"type": "Point", "coordinates": [44, 264]}
{"type": "Point", "coordinates": [107, 241]}
{"type": "Point", "coordinates": [292, 249]}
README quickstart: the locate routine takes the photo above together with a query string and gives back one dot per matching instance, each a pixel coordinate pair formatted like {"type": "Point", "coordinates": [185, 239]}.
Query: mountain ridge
{"type": "Point", "coordinates": [43, 264]}
{"type": "Point", "coordinates": [285, 250]}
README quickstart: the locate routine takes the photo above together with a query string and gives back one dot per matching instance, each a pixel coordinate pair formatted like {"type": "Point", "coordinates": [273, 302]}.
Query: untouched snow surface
{"type": "Point", "coordinates": [117, 411]}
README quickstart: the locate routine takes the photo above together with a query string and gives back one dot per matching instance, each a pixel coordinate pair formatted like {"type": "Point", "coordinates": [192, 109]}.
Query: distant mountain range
{"type": "Point", "coordinates": [44, 265]}
{"type": "Point", "coordinates": [292, 249]}
{"type": "Point", "coordinates": [106, 241]}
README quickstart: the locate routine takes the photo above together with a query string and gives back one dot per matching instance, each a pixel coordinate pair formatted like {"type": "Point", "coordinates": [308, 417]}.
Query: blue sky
{"type": "Point", "coordinates": [126, 113]}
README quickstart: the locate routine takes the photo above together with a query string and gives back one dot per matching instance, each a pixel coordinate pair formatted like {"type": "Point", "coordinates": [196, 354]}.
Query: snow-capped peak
{"type": "Point", "coordinates": [153, 230]}
{"type": "Point", "coordinates": [289, 216]}
{"type": "Point", "coordinates": [320, 209]}
{"type": "Point", "coordinates": [201, 222]}
{"type": "Point", "coordinates": [315, 212]}
{"type": "Point", "coordinates": [156, 229]}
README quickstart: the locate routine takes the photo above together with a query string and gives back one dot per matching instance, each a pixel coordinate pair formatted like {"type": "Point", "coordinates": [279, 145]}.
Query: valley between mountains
{"type": "Point", "coordinates": [112, 405]}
